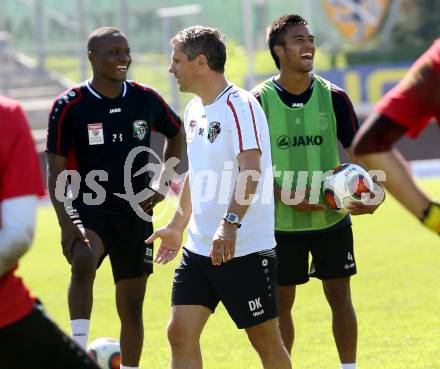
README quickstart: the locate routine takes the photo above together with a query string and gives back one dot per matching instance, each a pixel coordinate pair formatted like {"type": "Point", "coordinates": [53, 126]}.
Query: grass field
{"type": "Point", "coordinates": [396, 296]}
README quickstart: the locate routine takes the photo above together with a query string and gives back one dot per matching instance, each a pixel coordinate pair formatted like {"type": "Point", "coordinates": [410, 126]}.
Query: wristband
{"type": "Point", "coordinates": [431, 217]}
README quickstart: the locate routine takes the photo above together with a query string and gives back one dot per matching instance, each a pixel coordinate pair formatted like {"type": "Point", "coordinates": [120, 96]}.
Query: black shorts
{"type": "Point", "coordinates": [332, 254]}
{"type": "Point", "coordinates": [35, 342]}
{"type": "Point", "coordinates": [245, 285]}
{"type": "Point", "coordinates": [123, 236]}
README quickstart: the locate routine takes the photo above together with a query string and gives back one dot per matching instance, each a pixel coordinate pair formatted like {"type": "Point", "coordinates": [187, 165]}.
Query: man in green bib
{"type": "Point", "coordinates": [307, 116]}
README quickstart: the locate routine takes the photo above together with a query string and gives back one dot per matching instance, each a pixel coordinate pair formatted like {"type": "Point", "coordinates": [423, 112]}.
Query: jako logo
{"type": "Point", "coordinates": [307, 140]}
{"type": "Point", "coordinates": [284, 142]}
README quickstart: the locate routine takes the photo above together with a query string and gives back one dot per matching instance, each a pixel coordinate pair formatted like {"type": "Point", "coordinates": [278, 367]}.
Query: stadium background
{"type": "Point", "coordinates": [42, 51]}
{"type": "Point", "coordinates": [364, 46]}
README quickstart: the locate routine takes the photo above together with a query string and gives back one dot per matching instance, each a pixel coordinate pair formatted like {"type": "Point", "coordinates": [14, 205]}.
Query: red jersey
{"type": "Point", "coordinates": [20, 175]}
{"type": "Point", "coordinates": [415, 101]}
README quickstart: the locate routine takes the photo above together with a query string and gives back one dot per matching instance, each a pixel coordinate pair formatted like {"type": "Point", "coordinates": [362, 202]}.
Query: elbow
{"type": "Point", "coordinates": [365, 146]}
{"type": "Point", "coordinates": [13, 248]}
{"type": "Point", "coordinates": [22, 245]}
{"type": "Point", "coordinates": [251, 167]}
{"type": "Point", "coordinates": [252, 170]}
{"type": "Point", "coordinates": [178, 140]}
{"type": "Point", "coordinates": [364, 143]}
{"type": "Point", "coordinates": [358, 150]}
{"type": "Point", "coordinates": [378, 134]}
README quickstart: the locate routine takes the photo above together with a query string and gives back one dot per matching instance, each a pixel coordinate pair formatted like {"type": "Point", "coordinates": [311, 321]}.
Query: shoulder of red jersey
{"type": "Point", "coordinates": [8, 103]}
{"type": "Point", "coordinates": [8, 109]}
{"type": "Point", "coordinates": [12, 118]}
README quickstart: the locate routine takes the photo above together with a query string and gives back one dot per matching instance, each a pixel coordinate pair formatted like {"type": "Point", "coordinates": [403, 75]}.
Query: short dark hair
{"type": "Point", "coordinates": [100, 33]}
{"type": "Point", "coordinates": [277, 30]}
{"type": "Point", "coordinates": [197, 40]}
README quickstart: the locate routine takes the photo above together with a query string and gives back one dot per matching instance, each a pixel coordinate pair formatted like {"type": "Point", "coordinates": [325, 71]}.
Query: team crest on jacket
{"type": "Point", "coordinates": [140, 129]}
{"type": "Point", "coordinates": [213, 131]}
{"type": "Point", "coordinates": [324, 119]}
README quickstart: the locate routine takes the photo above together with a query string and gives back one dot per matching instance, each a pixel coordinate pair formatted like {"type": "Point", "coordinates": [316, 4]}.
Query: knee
{"type": "Point", "coordinates": [339, 296]}
{"type": "Point", "coordinates": [266, 339]}
{"type": "Point", "coordinates": [284, 308]}
{"type": "Point", "coordinates": [285, 302]}
{"type": "Point", "coordinates": [83, 264]}
{"type": "Point", "coordinates": [173, 334]}
{"type": "Point", "coordinates": [130, 310]}
{"type": "Point", "coordinates": [267, 348]}
{"type": "Point", "coordinates": [134, 314]}
{"type": "Point", "coordinates": [179, 338]}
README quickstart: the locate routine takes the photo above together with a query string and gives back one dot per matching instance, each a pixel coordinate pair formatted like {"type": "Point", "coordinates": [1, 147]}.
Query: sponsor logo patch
{"type": "Point", "coordinates": [96, 133]}
{"type": "Point", "coordinates": [191, 131]}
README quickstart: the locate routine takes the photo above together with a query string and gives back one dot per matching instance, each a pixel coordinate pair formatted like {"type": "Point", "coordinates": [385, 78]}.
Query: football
{"type": "Point", "coordinates": [346, 183]}
{"type": "Point", "coordinates": [106, 353]}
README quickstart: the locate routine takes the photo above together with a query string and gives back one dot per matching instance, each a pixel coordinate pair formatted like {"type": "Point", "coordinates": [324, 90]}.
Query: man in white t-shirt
{"type": "Point", "coordinates": [227, 201]}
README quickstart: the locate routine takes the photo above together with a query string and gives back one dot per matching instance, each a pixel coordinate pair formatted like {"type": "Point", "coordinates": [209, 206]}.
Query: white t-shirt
{"type": "Point", "coordinates": [216, 134]}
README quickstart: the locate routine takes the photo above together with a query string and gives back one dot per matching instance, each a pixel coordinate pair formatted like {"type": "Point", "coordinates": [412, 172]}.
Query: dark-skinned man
{"type": "Point", "coordinates": [101, 129]}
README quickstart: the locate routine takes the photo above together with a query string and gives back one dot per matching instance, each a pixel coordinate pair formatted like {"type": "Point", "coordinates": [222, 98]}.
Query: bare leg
{"type": "Point", "coordinates": [286, 298]}
{"type": "Point", "coordinates": [184, 329]}
{"type": "Point", "coordinates": [344, 323]}
{"type": "Point", "coordinates": [129, 302]}
{"type": "Point", "coordinates": [84, 263]}
{"type": "Point", "coordinates": [266, 339]}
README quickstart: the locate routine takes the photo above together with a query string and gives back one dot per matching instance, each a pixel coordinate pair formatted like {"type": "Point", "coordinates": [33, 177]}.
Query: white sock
{"type": "Point", "coordinates": [128, 367]}
{"type": "Point", "coordinates": [80, 331]}
{"type": "Point", "coordinates": [348, 366]}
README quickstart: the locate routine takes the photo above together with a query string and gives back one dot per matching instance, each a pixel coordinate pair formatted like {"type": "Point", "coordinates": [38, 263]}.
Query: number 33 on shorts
{"type": "Point", "coordinates": [149, 251]}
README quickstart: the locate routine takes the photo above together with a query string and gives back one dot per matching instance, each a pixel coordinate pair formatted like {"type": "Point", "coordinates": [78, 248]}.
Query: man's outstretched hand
{"type": "Point", "coordinates": [171, 241]}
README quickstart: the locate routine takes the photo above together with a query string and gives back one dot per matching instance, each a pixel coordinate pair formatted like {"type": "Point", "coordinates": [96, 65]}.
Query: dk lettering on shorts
{"type": "Point", "coordinates": [256, 307]}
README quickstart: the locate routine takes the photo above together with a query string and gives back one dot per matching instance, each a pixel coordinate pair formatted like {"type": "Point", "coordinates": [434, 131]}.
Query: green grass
{"type": "Point", "coordinates": [395, 294]}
